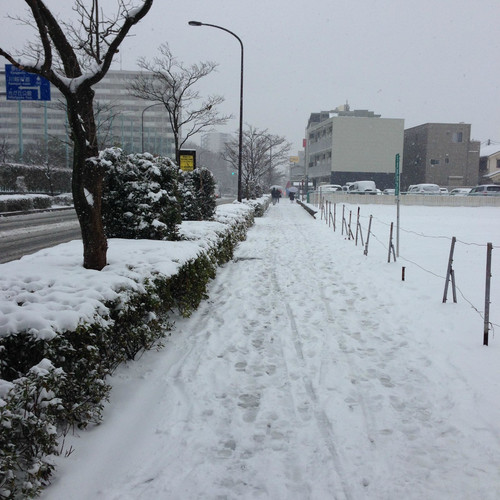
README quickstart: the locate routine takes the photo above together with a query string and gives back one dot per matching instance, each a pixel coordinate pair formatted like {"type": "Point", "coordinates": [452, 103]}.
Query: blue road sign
{"type": "Point", "coordinates": [24, 86]}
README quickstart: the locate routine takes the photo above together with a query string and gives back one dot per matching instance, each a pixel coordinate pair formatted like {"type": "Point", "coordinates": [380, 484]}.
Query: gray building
{"type": "Point", "coordinates": [345, 146]}
{"type": "Point", "coordinates": [122, 120]}
{"type": "Point", "coordinates": [215, 142]}
{"type": "Point", "coordinates": [440, 153]}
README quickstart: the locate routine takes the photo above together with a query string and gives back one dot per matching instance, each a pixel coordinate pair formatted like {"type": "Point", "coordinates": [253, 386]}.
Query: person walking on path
{"type": "Point", "coordinates": [275, 195]}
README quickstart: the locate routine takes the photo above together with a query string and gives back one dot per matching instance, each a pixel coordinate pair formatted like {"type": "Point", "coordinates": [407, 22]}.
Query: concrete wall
{"type": "Point", "coordinates": [409, 199]}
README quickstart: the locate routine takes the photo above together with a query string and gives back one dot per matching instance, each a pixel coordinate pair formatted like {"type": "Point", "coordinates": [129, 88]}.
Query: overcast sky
{"type": "Point", "coordinates": [424, 61]}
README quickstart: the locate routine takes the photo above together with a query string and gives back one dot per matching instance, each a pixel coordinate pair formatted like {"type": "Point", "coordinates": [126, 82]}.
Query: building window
{"type": "Point", "coordinates": [434, 162]}
{"type": "Point", "coordinates": [457, 136]}
{"type": "Point", "coordinates": [447, 160]}
{"type": "Point", "coordinates": [498, 162]}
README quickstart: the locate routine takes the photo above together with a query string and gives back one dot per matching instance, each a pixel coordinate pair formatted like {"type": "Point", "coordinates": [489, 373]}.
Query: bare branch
{"type": "Point", "coordinates": [169, 82]}
{"type": "Point", "coordinates": [262, 154]}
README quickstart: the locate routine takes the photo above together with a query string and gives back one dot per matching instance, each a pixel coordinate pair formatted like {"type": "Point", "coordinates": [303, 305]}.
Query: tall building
{"type": "Point", "coordinates": [440, 153]}
{"type": "Point", "coordinates": [215, 141]}
{"type": "Point", "coordinates": [122, 120]}
{"type": "Point", "coordinates": [345, 146]}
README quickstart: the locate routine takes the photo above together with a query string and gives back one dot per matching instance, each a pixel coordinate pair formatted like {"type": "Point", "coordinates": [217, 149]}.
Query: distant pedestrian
{"type": "Point", "coordinates": [275, 195]}
{"type": "Point", "coordinates": [291, 196]}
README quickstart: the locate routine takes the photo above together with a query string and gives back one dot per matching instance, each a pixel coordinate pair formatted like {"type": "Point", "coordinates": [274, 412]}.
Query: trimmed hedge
{"type": "Point", "coordinates": [37, 178]}
{"type": "Point", "coordinates": [22, 203]}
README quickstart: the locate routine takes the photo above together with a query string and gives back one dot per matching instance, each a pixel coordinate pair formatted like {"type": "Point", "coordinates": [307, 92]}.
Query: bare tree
{"type": "Point", "coordinates": [262, 155]}
{"type": "Point", "coordinates": [171, 83]}
{"type": "Point", "coordinates": [74, 57]}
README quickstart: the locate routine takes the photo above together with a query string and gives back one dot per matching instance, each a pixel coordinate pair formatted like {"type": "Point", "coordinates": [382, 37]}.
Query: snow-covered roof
{"type": "Point", "coordinates": [489, 149]}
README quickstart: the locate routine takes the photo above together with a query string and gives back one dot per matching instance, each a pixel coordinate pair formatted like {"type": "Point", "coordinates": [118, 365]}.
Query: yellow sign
{"type": "Point", "coordinates": [187, 160]}
{"type": "Point", "coordinates": [294, 159]}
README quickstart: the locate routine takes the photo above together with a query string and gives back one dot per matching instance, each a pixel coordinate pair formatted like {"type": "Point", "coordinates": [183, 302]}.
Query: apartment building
{"type": "Point", "coordinates": [346, 146]}
{"type": "Point", "coordinates": [440, 153]}
{"type": "Point", "coordinates": [123, 120]}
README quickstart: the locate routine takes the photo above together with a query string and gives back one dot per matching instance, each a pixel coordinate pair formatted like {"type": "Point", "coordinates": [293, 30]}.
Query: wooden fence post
{"type": "Point", "coordinates": [487, 295]}
{"type": "Point", "coordinates": [450, 273]}
{"type": "Point", "coordinates": [368, 235]}
{"type": "Point", "coordinates": [391, 246]}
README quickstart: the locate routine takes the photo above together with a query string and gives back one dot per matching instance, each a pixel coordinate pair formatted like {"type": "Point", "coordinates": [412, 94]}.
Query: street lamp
{"type": "Point", "coordinates": [240, 142]}
{"type": "Point", "coordinates": [142, 122]}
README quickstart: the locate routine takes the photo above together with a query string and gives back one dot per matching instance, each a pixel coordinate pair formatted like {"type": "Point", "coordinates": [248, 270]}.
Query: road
{"type": "Point", "coordinates": [28, 233]}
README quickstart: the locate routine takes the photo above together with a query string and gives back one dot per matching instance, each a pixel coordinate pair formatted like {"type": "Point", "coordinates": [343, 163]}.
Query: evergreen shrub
{"type": "Point", "coordinates": [197, 190]}
{"type": "Point", "coordinates": [141, 198]}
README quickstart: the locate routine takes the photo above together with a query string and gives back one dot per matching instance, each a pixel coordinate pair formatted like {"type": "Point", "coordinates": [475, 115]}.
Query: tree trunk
{"type": "Point", "coordinates": [88, 176]}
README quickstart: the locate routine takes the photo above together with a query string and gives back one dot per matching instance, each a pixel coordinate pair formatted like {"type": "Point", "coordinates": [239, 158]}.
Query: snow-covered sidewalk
{"type": "Point", "coordinates": [310, 373]}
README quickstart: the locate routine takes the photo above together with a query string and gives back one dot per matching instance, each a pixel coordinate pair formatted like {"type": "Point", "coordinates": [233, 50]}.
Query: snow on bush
{"type": "Point", "coordinates": [141, 196]}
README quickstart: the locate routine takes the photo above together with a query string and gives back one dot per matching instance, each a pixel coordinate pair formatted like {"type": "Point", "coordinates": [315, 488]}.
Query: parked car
{"type": "Point", "coordinates": [460, 191]}
{"type": "Point", "coordinates": [424, 189]}
{"type": "Point", "coordinates": [485, 190]}
{"type": "Point", "coordinates": [389, 191]}
{"type": "Point", "coordinates": [444, 190]}
{"type": "Point", "coordinates": [329, 188]}
{"type": "Point", "coordinates": [363, 187]}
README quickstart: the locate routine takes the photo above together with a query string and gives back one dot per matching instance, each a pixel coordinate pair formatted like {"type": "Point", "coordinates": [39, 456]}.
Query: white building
{"type": "Point", "coordinates": [345, 146]}
{"type": "Point", "coordinates": [490, 162]}
{"type": "Point", "coordinates": [122, 120]}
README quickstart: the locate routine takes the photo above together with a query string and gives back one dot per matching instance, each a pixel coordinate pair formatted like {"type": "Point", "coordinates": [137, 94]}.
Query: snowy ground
{"type": "Point", "coordinates": [315, 372]}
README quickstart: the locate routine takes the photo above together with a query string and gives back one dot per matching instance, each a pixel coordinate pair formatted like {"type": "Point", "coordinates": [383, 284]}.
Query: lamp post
{"type": "Point", "coordinates": [142, 123]}
{"type": "Point", "coordinates": [240, 137]}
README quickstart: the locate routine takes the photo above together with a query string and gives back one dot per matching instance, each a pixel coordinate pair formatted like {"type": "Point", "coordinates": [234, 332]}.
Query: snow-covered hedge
{"type": "Point", "coordinates": [148, 196]}
{"type": "Point", "coordinates": [21, 203]}
{"type": "Point", "coordinates": [36, 177]}
{"type": "Point", "coordinates": [65, 329]}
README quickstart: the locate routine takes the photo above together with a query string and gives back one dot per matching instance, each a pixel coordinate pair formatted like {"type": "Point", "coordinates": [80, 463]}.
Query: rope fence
{"type": "Point", "coordinates": [329, 213]}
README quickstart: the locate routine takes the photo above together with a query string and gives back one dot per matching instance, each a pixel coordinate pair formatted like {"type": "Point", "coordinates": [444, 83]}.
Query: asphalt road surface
{"type": "Point", "coordinates": [25, 234]}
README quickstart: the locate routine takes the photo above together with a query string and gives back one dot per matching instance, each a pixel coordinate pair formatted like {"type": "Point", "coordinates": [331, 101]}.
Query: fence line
{"type": "Point", "coordinates": [326, 210]}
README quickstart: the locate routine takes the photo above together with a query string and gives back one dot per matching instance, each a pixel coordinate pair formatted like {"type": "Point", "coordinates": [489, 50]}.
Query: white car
{"type": "Point", "coordinates": [485, 190]}
{"type": "Point", "coordinates": [424, 189]}
{"type": "Point", "coordinates": [444, 190]}
{"type": "Point", "coordinates": [329, 188]}
{"type": "Point", "coordinates": [363, 187]}
{"type": "Point", "coordinates": [460, 191]}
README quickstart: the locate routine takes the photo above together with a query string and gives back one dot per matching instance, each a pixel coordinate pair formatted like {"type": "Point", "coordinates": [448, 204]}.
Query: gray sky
{"type": "Point", "coordinates": [425, 61]}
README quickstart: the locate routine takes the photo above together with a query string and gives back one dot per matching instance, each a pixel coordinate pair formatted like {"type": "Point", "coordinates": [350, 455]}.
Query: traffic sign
{"type": "Point", "coordinates": [24, 86]}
